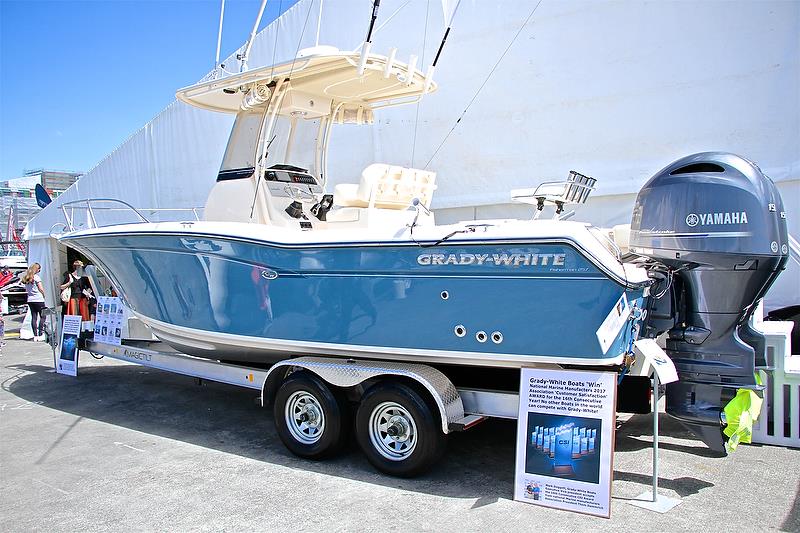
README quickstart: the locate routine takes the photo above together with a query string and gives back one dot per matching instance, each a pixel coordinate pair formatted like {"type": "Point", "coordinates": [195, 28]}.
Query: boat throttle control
{"type": "Point", "coordinates": [715, 257]}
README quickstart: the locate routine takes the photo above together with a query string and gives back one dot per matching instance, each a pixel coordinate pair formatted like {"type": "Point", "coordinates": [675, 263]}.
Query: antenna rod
{"type": "Point", "coordinates": [246, 53]}
{"type": "Point", "coordinates": [219, 35]}
{"type": "Point", "coordinates": [368, 41]}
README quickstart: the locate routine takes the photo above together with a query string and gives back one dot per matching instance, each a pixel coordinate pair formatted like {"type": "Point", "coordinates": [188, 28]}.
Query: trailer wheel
{"type": "Point", "coordinates": [398, 431]}
{"type": "Point", "coordinates": [310, 417]}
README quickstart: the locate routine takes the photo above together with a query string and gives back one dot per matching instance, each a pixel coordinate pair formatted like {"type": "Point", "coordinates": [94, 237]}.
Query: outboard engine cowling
{"type": "Point", "coordinates": [718, 226]}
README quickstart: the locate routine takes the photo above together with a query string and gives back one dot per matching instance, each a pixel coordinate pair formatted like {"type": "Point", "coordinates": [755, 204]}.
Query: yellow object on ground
{"type": "Point", "coordinates": [740, 414]}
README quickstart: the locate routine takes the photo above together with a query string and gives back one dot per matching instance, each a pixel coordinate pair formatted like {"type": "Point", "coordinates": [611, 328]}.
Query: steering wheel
{"type": "Point", "coordinates": [298, 194]}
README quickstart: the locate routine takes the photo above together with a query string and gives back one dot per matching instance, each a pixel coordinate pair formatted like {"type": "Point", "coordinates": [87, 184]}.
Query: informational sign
{"type": "Point", "coordinates": [657, 359]}
{"type": "Point", "coordinates": [108, 320]}
{"type": "Point", "coordinates": [67, 362]}
{"type": "Point", "coordinates": [616, 318]}
{"type": "Point", "coordinates": [565, 439]}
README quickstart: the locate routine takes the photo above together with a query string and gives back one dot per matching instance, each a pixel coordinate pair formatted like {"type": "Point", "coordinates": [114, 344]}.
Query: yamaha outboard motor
{"type": "Point", "coordinates": [716, 226]}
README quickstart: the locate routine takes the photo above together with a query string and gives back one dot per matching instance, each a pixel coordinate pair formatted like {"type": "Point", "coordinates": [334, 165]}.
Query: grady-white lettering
{"type": "Point", "coordinates": [717, 219]}
{"type": "Point", "coordinates": [515, 259]}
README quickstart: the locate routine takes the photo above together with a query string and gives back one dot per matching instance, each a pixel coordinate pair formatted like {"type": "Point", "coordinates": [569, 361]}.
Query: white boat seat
{"type": "Point", "coordinates": [385, 186]}
{"type": "Point", "coordinates": [618, 237]}
{"type": "Point", "coordinates": [343, 214]}
{"type": "Point", "coordinates": [621, 234]}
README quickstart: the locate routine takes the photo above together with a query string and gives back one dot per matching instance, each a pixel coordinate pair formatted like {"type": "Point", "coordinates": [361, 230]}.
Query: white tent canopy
{"type": "Point", "coordinates": [613, 90]}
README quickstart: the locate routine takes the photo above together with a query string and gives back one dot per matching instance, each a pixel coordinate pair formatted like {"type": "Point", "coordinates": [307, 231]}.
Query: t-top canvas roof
{"type": "Point", "coordinates": [323, 74]}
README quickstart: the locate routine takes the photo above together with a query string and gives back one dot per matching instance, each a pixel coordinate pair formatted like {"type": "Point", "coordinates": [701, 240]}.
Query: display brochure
{"type": "Point", "coordinates": [565, 439]}
{"type": "Point", "coordinates": [654, 357]}
{"type": "Point", "coordinates": [67, 362]}
{"type": "Point", "coordinates": [108, 320]}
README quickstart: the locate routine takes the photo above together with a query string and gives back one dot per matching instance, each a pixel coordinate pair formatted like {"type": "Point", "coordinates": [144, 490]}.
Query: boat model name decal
{"type": "Point", "coordinates": [505, 259]}
{"type": "Point", "coordinates": [707, 219]}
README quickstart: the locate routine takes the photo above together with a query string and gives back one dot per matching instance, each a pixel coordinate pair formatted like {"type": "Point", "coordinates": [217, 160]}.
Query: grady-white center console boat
{"type": "Point", "coordinates": [279, 267]}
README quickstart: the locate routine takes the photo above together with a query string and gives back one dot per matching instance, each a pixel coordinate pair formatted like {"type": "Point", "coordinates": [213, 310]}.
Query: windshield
{"type": "Point", "coordinates": [296, 148]}
{"type": "Point", "coordinates": [239, 160]}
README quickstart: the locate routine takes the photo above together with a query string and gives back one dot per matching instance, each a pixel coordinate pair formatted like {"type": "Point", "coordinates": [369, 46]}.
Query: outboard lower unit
{"type": "Point", "coordinates": [715, 227]}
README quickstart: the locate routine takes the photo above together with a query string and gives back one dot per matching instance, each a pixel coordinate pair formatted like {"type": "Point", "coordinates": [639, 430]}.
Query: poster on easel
{"type": "Point", "coordinates": [67, 362]}
{"type": "Point", "coordinates": [108, 320]}
{"type": "Point", "coordinates": [565, 440]}
{"type": "Point", "coordinates": [117, 319]}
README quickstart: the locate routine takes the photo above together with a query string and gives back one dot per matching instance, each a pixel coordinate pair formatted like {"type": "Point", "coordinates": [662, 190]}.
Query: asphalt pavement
{"type": "Point", "coordinates": [122, 447]}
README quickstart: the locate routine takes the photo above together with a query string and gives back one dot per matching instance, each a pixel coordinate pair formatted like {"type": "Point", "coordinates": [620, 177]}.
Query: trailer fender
{"type": "Point", "coordinates": [350, 372]}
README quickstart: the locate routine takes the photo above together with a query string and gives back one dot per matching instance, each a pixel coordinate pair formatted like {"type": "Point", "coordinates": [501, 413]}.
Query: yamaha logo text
{"type": "Point", "coordinates": [716, 219]}
{"type": "Point", "coordinates": [516, 259]}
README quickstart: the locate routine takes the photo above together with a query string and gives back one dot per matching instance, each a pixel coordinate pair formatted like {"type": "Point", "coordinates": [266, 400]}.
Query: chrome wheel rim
{"type": "Point", "coordinates": [393, 431]}
{"type": "Point", "coordinates": [304, 417]}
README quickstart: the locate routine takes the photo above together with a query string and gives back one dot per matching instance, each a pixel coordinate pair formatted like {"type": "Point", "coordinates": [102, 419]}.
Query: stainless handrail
{"type": "Point", "coordinates": [90, 205]}
{"type": "Point", "coordinates": [88, 202]}
{"type": "Point", "coordinates": [192, 210]}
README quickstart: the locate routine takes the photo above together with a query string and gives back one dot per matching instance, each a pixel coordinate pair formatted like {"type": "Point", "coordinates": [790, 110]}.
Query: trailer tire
{"type": "Point", "coordinates": [398, 431]}
{"type": "Point", "coordinates": [311, 417]}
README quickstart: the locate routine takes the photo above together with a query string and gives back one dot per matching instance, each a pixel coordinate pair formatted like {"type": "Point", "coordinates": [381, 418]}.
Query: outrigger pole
{"type": "Point", "coordinates": [243, 57]}
{"type": "Point", "coordinates": [432, 67]}
{"type": "Point", "coordinates": [319, 22]}
{"type": "Point", "coordinates": [368, 41]}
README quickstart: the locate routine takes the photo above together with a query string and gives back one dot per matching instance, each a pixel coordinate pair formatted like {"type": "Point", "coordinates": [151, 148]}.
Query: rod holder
{"type": "Point", "coordinates": [387, 70]}
{"type": "Point", "coordinates": [412, 66]}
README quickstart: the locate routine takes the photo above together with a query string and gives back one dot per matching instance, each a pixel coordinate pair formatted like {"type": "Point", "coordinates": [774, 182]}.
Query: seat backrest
{"type": "Point", "coordinates": [394, 187]}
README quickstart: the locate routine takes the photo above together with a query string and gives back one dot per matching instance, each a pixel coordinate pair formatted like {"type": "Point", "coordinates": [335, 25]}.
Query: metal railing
{"type": "Point", "coordinates": [105, 206]}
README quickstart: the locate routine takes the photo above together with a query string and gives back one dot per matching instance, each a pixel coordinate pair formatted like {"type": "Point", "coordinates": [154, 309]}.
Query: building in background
{"type": "Point", "coordinates": [54, 181]}
{"type": "Point", "coordinates": [18, 203]}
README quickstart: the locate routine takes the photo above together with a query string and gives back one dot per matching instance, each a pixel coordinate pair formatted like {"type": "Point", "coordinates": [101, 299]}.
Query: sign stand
{"type": "Point", "coordinates": [565, 439]}
{"type": "Point", "coordinates": [67, 361]}
{"type": "Point", "coordinates": [651, 500]}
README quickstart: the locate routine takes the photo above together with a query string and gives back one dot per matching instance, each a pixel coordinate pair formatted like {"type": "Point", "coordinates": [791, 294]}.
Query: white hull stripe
{"type": "Point", "coordinates": [210, 341]}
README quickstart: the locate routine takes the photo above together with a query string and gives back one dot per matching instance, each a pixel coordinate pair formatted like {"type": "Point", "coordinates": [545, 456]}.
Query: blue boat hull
{"type": "Point", "coordinates": [224, 298]}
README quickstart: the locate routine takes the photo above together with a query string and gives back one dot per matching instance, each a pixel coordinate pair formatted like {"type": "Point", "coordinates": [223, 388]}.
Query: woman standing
{"type": "Point", "coordinates": [35, 290]}
{"type": "Point", "coordinates": [78, 303]}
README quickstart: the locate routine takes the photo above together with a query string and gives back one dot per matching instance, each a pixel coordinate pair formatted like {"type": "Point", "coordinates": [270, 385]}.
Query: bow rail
{"type": "Point", "coordinates": [91, 213]}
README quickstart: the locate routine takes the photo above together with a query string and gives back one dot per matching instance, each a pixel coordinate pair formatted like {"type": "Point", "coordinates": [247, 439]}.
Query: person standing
{"type": "Point", "coordinates": [78, 303]}
{"type": "Point", "coordinates": [35, 292]}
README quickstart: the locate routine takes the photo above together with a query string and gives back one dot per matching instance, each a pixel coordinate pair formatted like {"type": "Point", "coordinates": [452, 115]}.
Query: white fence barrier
{"type": "Point", "coordinates": [779, 422]}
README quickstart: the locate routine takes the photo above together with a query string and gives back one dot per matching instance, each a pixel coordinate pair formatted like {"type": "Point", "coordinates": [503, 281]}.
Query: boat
{"type": "Point", "coordinates": [278, 267]}
{"type": "Point", "coordinates": [13, 260]}
{"type": "Point", "coordinates": [262, 277]}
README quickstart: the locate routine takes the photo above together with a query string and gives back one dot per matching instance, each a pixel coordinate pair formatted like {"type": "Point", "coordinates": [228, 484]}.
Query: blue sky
{"type": "Point", "coordinates": [78, 78]}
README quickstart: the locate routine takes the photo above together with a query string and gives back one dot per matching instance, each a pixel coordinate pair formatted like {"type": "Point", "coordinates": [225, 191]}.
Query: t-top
{"type": "Point", "coordinates": [32, 289]}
